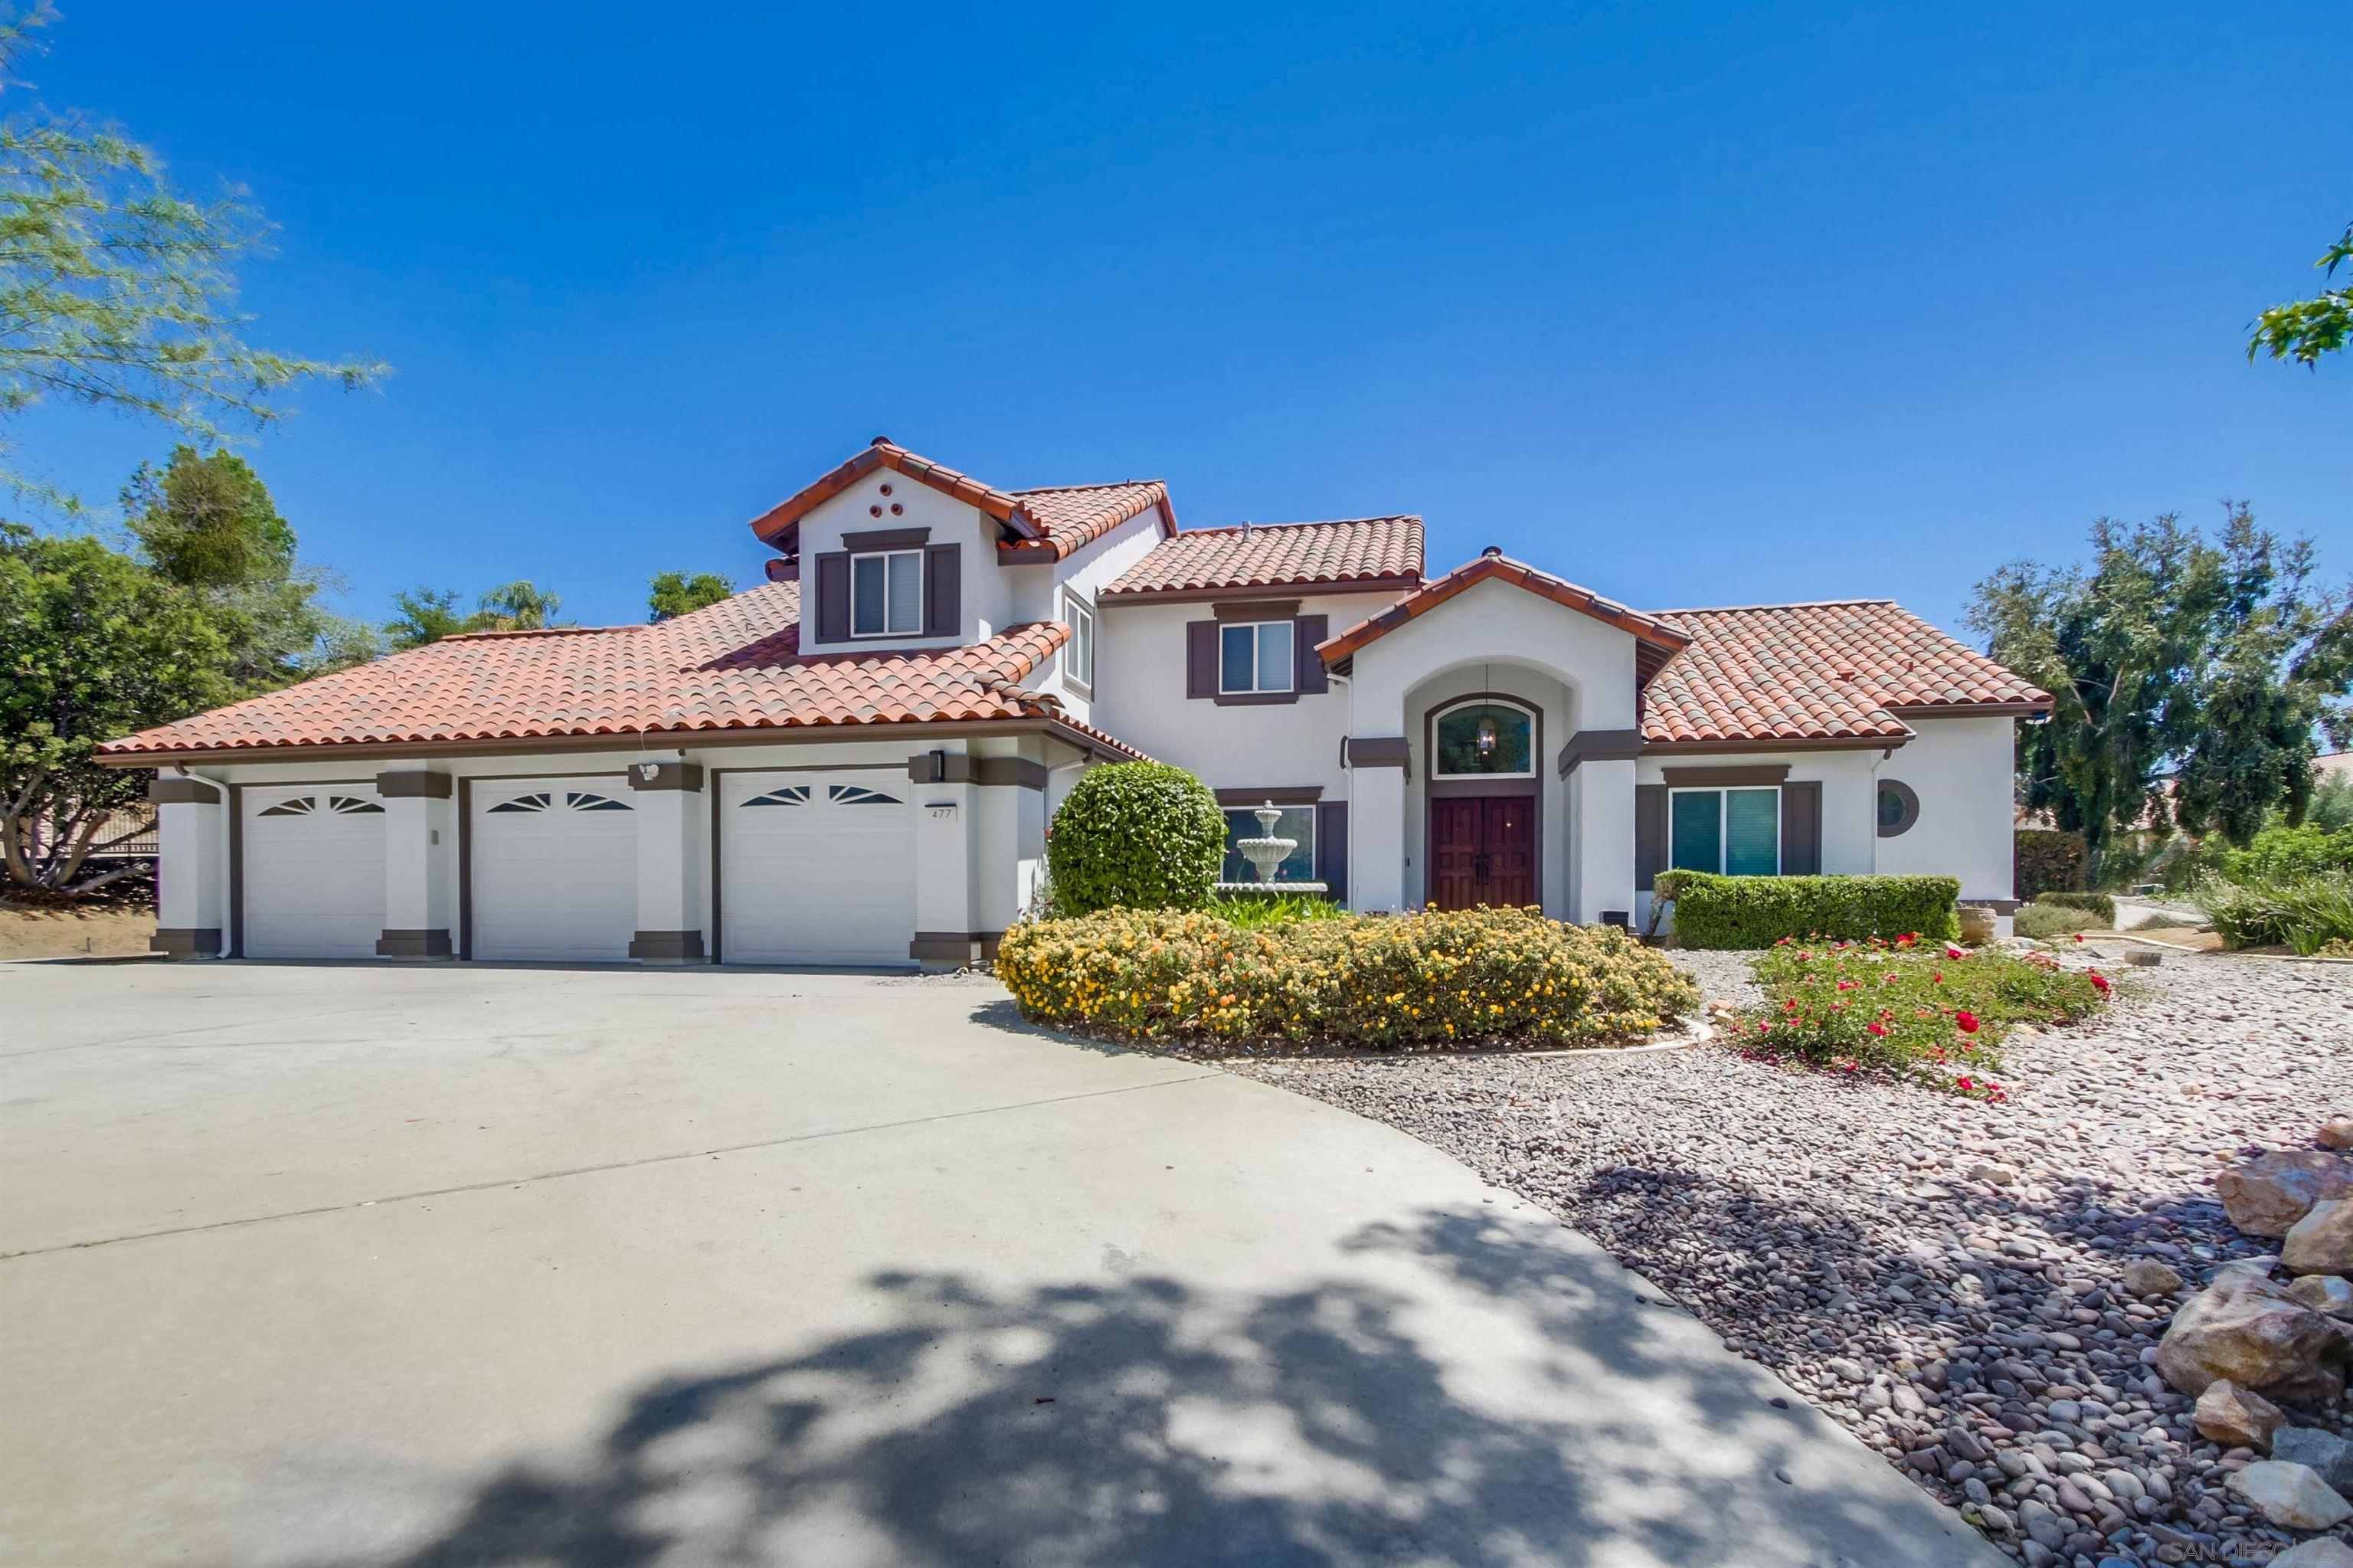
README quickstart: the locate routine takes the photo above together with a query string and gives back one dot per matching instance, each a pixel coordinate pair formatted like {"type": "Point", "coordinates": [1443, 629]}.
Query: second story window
{"type": "Point", "coordinates": [1079, 653]}
{"type": "Point", "coordinates": [1254, 656]}
{"type": "Point", "coordinates": [886, 594]}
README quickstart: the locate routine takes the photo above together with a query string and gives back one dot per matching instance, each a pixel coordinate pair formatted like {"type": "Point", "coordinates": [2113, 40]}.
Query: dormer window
{"type": "Point", "coordinates": [886, 593]}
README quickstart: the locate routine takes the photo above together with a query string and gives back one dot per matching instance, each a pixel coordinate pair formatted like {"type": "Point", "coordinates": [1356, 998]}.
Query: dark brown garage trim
{"type": "Point", "coordinates": [1381, 751]}
{"type": "Point", "coordinates": [672, 947]}
{"type": "Point", "coordinates": [686, 776]}
{"type": "Point", "coordinates": [185, 941]}
{"type": "Point", "coordinates": [414, 785]}
{"type": "Point", "coordinates": [944, 946]}
{"type": "Point", "coordinates": [169, 792]}
{"type": "Point", "coordinates": [413, 944]}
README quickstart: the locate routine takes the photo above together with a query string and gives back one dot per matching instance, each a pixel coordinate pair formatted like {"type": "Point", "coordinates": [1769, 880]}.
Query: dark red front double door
{"type": "Point", "coordinates": [1482, 849]}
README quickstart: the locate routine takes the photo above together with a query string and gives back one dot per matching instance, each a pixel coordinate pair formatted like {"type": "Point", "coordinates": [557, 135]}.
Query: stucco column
{"type": "Point", "coordinates": [420, 864]}
{"type": "Point", "coordinates": [945, 813]}
{"type": "Point", "coordinates": [191, 868]}
{"type": "Point", "coordinates": [1376, 839]}
{"type": "Point", "coordinates": [671, 849]}
{"type": "Point", "coordinates": [1006, 841]}
{"type": "Point", "coordinates": [1601, 849]}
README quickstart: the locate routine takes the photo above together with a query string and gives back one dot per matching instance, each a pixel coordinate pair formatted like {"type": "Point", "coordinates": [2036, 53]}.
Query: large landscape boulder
{"type": "Point", "coordinates": [2320, 1551]}
{"type": "Point", "coordinates": [2266, 1195]}
{"type": "Point", "coordinates": [2326, 1453]}
{"type": "Point", "coordinates": [2245, 1328]}
{"type": "Point", "coordinates": [2321, 1242]}
{"type": "Point", "coordinates": [2324, 1293]}
{"type": "Point", "coordinates": [2235, 1418]}
{"type": "Point", "coordinates": [2291, 1495]}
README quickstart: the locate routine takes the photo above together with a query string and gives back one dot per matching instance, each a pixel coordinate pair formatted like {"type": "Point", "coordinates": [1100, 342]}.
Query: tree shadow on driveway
{"type": "Point", "coordinates": [1468, 1388]}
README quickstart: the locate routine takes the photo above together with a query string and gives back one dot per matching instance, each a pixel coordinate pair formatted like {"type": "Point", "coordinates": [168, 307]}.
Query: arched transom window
{"type": "Point", "coordinates": [1485, 740]}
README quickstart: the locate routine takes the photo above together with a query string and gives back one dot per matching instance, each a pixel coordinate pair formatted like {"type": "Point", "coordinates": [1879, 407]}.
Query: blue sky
{"type": "Point", "coordinates": [1692, 305]}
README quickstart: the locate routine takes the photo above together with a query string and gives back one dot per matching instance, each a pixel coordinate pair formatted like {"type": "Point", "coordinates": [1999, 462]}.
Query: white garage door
{"type": "Point", "coordinates": [554, 869]}
{"type": "Point", "coordinates": [816, 868]}
{"type": "Point", "coordinates": [314, 872]}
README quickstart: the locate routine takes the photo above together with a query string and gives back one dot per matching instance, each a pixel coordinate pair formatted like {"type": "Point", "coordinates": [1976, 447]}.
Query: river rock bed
{"type": "Point", "coordinates": [1941, 1276]}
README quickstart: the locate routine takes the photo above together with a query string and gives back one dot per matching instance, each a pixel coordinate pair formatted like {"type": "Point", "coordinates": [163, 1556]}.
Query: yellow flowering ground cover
{"type": "Point", "coordinates": [1426, 981]}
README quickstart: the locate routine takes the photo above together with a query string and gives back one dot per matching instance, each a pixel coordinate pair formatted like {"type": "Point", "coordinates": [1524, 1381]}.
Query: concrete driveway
{"type": "Point", "coordinates": [317, 1267]}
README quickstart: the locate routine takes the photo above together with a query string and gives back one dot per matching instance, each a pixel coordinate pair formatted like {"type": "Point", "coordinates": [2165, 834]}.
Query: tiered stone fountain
{"type": "Point", "coordinates": [1266, 853]}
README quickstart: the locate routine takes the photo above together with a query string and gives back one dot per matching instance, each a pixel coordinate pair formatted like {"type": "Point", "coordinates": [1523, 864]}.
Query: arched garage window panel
{"type": "Point", "coordinates": [1899, 808]}
{"type": "Point", "coordinates": [525, 803]}
{"type": "Point", "coordinates": [351, 806]}
{"type": "Point", "coordinates": [790, 795]}
{"type": "Point", "coordinates": [1485, 740]}
{"type": "Point", "coordinates": [582, 802]}
{"type": "Point", "coordinates": [300, 806]}
{"type": "Point", "coordinates": [855, 795]}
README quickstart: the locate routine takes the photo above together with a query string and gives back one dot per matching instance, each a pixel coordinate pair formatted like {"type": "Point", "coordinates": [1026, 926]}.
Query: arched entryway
{"type": "Point", "coordinates": [1485, 816]}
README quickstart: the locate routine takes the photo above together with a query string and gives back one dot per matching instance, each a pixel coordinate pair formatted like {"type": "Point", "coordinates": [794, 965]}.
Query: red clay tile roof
{"type": "Point", "coordinates": [1052, 522]}
{"type": "Point", "coordinates": [1073, 515]}
{"type": "Point", "coordinates": [736, 665]}
{"type": "Point", "coordinates": [1367, 552]}
{"type": "Point", "coordinates": [1818, 672]}
{"type": "Point", "coordinates": [1647, 630]}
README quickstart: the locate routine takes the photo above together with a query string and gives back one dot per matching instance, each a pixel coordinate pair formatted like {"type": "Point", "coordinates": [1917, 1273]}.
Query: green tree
{"type": "Point", "coordinates": [93, 645]}
{"type": "Point", "coordinates": [427, 615]}
{"type": "Point", "coordinates": [2191, 677]}
{"type": "Point", "coordinates": [118, 291]}
{"type": "Point", "coordinates": [516, 607]}
{"type": "Point", "coordinates": [207, 523]}
{"type": "Point", "coordinates": [675, 593]}
{"type": "Point", "coordinates": [2304, 330]}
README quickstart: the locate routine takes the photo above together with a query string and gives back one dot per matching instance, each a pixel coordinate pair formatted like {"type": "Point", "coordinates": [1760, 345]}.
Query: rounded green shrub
{"type": "Point", "coordinates": [1135, 835]}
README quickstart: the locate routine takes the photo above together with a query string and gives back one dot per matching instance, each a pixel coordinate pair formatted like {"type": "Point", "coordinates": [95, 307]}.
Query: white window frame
{"type": "Point", "coordinates": [886, 556]}
{"type": "Point", "coordinates": [1723, 792]}
{"type": "Point", "coordinates": [1259, 630]}
{"type": "Point", "coordinates": [1078, 653]}
{"type": "Point", "coordinates": [1522, 709]}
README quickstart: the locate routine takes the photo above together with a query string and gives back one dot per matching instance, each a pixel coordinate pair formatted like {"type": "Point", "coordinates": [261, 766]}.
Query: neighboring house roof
{"type": "Point", "coordinates": [1048, 523]}
{"type": "Point", "coordinates": [1656, 640]}
{"type": "Point", "coordinates": [1356, 552]}
{"type": "Point", "coordinates": [736, 665]}
{"type": "Point", "coordinates": [1843, 671]}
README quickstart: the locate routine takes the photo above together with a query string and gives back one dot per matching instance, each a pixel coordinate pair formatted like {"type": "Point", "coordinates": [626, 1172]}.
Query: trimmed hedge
{"type": "Point", "coordinates": [1714, 911]}
{"type": "Point", "coordinates": [1136, 835]}
{"type": "Point", "coordinates": [1420, 981]}
{"type": "Point", "coordinates": [2098, 904]}
{"type": "Point", "coordinates": [2044, 860]}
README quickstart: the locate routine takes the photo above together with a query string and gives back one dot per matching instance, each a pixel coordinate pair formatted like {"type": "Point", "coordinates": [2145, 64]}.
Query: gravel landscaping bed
{"type": "Point", "coordinates": [1938, 1274]}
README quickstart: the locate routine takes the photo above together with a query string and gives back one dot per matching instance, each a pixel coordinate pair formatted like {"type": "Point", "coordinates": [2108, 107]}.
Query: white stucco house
{"type": "Point", "coordinates": [855, 762]}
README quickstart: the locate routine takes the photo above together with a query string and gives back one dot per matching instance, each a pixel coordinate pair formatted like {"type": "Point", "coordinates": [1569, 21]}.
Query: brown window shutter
{"type": "Point", "coordinates": [1650, 834]}
{"type": "Point", "coordinates": [1307, 669]}
{"type": "Point", "coordinates": [1801, 828]}
{"type": "Point", "coordinates": [833, 596]}
{"type": "Point", "coordinates": [944, 590]}
{"type": "Point", "coordinates": [1332, 849]}
{"type": "Point", "coordinates": [1200, 658]}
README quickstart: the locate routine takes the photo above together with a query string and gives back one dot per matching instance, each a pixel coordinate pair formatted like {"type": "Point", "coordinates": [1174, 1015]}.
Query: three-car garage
{"type": "Point", "coordinates": [799, 866]}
